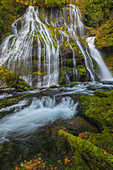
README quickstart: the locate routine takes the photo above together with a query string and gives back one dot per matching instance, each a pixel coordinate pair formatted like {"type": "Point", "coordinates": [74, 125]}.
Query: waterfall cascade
{"type": "Point", "coordinates": [104, 73]}
{"type": "Point", "coordinates": [48, 46]}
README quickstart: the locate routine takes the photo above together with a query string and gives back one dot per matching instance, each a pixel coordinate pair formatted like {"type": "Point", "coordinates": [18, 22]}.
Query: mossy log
{"type": "Point", "coordinates": [95, 156]}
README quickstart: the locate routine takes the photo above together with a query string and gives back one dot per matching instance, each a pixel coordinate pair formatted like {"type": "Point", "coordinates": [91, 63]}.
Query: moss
{"type": "Point", "coordinates": [96, 157]}
{"type": "Point", "coordinates": [99, 109]}
{"type": "Point", "coordinates": [35, 40]}
{"type": "Point", "coordinates": [83, 40]}
{"type": "Point", "coordinates": [91, 31]}
{"type": "Point", "coordinates": [55, 44]}
{"type": "Point", "coordinates": [66, 44]}
{"type": "Point", "coordinates": [66, 68]}
{"type": "Point", "coordinates": [104, 37]}
{"type": "Point", "coordinates": [53, 30]}
{"type": "Point", "coordinates": [13, 81]}
{"type": "Point", "coordinates": [100, 93]}
{"type": "Point", "coordinates": [63, 77]}
{"type": "Point", "coordinates": [80, 162]}
{"type": "Point", "coordinates": [11, 101]}
{"type": "Point", "coordinates": [81, 69]}
{"type": "Point", "coordinates": [39, 73]}
{"type": "Point", "coordinates": [76, 83]}
{"type": "Point", "coordinates": [108, 58]}
{"type": "Point", "coordinates": [42, 52]}
{"type": "Point", "coordinates": [105, 88]}
{"type": "Point", "coordinates": [72, 84]}
{"type": "Point", "coordinates": [53, 86]}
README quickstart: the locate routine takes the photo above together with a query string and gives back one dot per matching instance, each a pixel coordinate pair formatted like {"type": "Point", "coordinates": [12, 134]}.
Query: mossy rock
{"type": "Point", "coordinates": [100, 93]}
{"type": "Point", "coordinates": [53, 86]}
{"type": "Point", "coordinates": [76, 83]}
{"type": "Point", "coordinates": [63, 77]}
{"type": "Point", "coordinates": [11, 101]}
{"type": "Point", "coordinates": [72, 84]}
{"type": "Point", "coordinates": [13, 81]}
{"type": "Point", "coordinates": [81, 69]}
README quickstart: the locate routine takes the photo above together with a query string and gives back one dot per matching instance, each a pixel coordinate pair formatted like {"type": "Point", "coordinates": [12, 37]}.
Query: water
{"type": "Point", "coordinates": [17, 50]}
{"type": "Point", "coordinates": [33, 52]}
{"type": "Point", "coordinates": [31, 49]}
{"type": "Point", "coordinates": [104, 72]}
{"type": "Point", "coordinates": [24, 122]}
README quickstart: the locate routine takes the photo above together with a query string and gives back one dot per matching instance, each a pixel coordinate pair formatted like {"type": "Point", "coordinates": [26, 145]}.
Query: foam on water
{"type": "Point", "coordinates": [38, 114]}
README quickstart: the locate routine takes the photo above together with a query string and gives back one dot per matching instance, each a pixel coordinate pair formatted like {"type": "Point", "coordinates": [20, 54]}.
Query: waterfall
{"type": "Point", "coordinates": [41, 112]}
{"type": "Point", "coordinates": [34, 49]}
{"type": "Point", "coordinates": [104, 72]}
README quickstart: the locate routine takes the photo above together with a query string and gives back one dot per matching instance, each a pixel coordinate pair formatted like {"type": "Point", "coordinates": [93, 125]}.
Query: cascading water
{"type": "Point", "coordinates": [104, 72]}
{"type": "Point", "coordinates": [41, 112]}
{"type": "Point", "coordinates": [33, 51]}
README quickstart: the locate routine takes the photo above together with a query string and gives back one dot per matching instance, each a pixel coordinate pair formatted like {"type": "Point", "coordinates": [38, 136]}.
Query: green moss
{"type": "Point", "coordinates": [72, 84]}
{"type": "Point", "coordinates": [13, 81]}
{"type": "Point", "coordinates": [53, 86]}
{"type": "Point", "coordinates": [104, 37]}
{"type": "Point", "coordinates": [105, 87]}
{"type": "Point", "coordinates": [66, 68]}
{"type": "Point", "coordinates": [42, 52]}
{"type": "Point", "coordinates": [39, 73]}
{"type": "Point", "coordinates": [66, 44]}
{"type": "Point", "coordinates": [63, 77]}
{"type": "Point", "coordinates": [100, 93]}
{"type": "Point", "coordinates": [35, 40]}
{"type": "Point", "coordinates": [83, 40]}
{"type": "Point", "coordinates": [11, 101]}
{"type": "Point", "coordinates": [75, 49]}
{"type": "Point", "coordinates": [81, 69]}
{"type": "Point", "coordinates": [80, 162]}
{"type": "Point", "coordinates": [76, 83]}
{"type": "Point", "coordinates": [96, 157]}
{"type": "Point", "coordinates": [55, 44]}
{"type": "Point", "coordinates": [99, 110]}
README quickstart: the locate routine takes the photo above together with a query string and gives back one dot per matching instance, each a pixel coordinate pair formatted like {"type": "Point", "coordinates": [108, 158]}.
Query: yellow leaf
{"type": "Point", "coordinates": [105, 152]}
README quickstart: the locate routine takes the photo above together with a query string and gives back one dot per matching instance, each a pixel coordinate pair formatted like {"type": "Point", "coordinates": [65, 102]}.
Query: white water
{"type": "Point", "coordinates": [104, 72]}
{"type": "Point", "coordinates": [19, 53]}
{"type": "Point", "coordinates": [38, 114]}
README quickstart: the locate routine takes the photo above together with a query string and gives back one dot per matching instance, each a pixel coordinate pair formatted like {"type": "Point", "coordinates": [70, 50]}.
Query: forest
{"type": "Point", "coordinates": [56, 84]}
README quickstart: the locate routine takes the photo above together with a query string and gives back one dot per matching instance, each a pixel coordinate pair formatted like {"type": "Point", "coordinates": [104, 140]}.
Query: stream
{"type": "Point", "coordinates": [31, 126]}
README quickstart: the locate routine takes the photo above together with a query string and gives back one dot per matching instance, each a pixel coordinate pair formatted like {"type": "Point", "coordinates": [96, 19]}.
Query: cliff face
{"type": "Point", "coordinates": [47, 45]}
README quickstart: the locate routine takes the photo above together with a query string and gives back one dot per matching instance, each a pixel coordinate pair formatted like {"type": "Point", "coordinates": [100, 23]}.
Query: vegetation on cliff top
{"type": "Point", "coordinates": [104, 37]}
{"type": "Point", "coordinates": [10, 11]}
